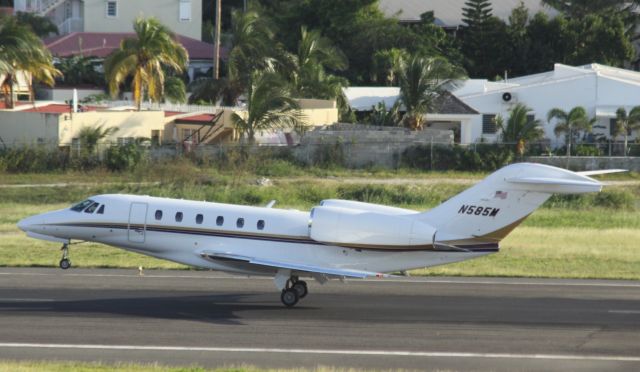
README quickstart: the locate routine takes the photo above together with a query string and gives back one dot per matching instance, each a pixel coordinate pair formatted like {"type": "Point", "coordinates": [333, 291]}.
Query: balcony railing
{"type": "Point", "coordinates": [71, 25]}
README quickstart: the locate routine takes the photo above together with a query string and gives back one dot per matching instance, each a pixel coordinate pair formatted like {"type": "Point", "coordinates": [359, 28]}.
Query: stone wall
{"type": "Point", "coordinates": [362, 146]}
{"type": "Point", "coordinates": [581, 163]}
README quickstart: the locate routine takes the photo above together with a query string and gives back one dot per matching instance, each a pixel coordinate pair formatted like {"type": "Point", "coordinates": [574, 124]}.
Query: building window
{"type": "Point", "coordinates": [199, 219]}
{"type": "Point", "coordinates": [185, 10]}
{"type": "Point", "coordinates": [220, 221]}
{"type": "Point", "coordinates": [112, 9]}
{"type": "Point", "coordinates": [240, 223]}
{"type": "Point", "coordinates": [531, 118]}
{"type": "Point", "coordinates": [489, 124]}
{"type": "Point", "coordinates": [179, 217]}
{"type": "Point", "coordinates": [260, 224]}
{"type": "Point", "coordinates": [158, 215]}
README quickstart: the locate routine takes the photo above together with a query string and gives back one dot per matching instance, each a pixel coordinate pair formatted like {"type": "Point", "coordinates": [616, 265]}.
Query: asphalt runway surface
{"type": "Point", "coordinates": [212, 319]}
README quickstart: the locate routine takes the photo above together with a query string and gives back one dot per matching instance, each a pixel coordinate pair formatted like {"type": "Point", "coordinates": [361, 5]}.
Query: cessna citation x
{"type": "Point", "coordinates": [337, 239]}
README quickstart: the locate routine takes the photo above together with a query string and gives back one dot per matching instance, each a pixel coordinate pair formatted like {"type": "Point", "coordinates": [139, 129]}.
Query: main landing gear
{"type": "Point", "coordinates": [293, 291]}
{"type": "Point", "coordinates": [65, 263]}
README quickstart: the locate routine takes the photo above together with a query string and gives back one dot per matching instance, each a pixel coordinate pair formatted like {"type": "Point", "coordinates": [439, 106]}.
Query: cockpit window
{"type": "Point", "coordinates": [92, 208]}
{"type": "Point", "coordinates": [101, 209]}
{"type": "Point", "coordinates": [82, 205]}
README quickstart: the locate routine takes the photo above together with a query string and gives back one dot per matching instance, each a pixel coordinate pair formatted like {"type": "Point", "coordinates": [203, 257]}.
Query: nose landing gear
{"type": "Point", "coordinates": [65, 263]}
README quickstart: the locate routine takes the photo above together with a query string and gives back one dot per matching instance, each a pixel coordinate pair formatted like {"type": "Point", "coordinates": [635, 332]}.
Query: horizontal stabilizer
{"type": "Point", "coordinates": [290, 266]}
{"type": "Point", "coordinates": [556, 185]}
{"type": "Point", "coordinates": [603, 171]}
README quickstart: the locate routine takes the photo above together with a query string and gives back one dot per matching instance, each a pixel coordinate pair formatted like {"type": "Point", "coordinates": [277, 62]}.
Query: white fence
{"type": "Point", "coordinates": [178, 107]}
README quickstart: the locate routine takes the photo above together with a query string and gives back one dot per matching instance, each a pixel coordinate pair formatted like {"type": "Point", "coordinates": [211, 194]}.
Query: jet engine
{"type": "Point", "coordinates": [368, 230]}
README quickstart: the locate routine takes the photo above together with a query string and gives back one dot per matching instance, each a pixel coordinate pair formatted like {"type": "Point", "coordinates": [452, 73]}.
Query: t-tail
{"type": "Point", "coordinates": [487, 212]}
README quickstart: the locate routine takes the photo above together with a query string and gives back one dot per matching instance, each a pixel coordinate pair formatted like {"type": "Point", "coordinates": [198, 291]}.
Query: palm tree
{"type": "Point", "coordinates": [252, 48]}
{"type": "Point", "coordinates": [22, 51]}
{"type": "Point", "coordinates": [315, 54]}
{"type": "Point", "coordinates": [519, 128]}
{"type": "Point", "coordinates": [175, 89]}
{"type": "Point", "coordinates": [269, 106]}
{"type": "Point", "coordinates": [143, 58]}
{"type": "Point", "coordinates": [570, 123]}
{"type": "Point", "coordinates": [625, 124]}
{"type": "Point", "coordinates": [90, 136]}
{"type": "Point", "coordinates": [421, 81]}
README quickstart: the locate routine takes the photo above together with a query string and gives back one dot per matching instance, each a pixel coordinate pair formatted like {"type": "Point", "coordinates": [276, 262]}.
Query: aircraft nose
{"type": "Point", "coordinates": [25, 224]}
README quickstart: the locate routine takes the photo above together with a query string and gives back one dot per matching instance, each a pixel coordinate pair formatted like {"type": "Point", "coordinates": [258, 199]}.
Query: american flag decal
{"type": "Point", "coordinates": [501, 195]}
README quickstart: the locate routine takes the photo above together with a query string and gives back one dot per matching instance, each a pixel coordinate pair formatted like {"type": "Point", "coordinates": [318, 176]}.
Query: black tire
{"type": "Point", "coordinates": [65, 264]}
{"type": "Point", "coordinates": [301, 288]}
{"type": "Point", "coordinates": [289, 297]}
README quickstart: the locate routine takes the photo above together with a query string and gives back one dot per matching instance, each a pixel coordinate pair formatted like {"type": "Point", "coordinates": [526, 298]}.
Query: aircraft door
{"type": "Point", "coordinates": [137, 222]}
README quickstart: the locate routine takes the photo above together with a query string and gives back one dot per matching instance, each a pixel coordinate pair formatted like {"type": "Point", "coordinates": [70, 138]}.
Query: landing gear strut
{"type": "Point", "coordinates": [293, 291]}
{"type": "Point", "coordinates": [65, 263]}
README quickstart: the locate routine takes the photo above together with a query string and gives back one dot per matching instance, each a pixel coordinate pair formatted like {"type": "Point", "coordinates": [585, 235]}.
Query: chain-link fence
{"type": "Point", "coordinates": [354, 154]}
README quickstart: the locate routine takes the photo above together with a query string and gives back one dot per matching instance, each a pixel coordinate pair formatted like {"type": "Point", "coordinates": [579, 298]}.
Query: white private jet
{"type": "Point", "coordinates": [337, 239]}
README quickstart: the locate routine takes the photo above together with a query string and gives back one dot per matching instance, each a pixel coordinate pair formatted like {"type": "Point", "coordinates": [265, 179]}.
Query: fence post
{"type": "Point", "coordinates": [431, 155]}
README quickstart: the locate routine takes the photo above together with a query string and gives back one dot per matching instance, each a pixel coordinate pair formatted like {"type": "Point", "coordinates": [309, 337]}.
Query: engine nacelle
{"type": "Point", "coordinates": [369, 207]}
{"type": "Point", "coordinates": [368, 230]}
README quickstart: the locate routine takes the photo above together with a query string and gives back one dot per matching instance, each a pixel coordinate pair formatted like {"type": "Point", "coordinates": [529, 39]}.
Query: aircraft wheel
{"type": "Point", "coordinates": [289, 297]}
{"type": "Point", "coordinates": [65, 263]}
{"type": "Point", "coordinates": [301, 288]}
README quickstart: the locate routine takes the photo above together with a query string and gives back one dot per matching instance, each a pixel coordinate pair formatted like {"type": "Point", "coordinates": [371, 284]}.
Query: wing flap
{"type": "Point", "coordinates": [361, 274]}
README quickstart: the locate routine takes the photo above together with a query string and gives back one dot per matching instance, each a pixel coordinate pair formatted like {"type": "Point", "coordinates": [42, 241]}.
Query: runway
{"type": "Point", "coordinates": [212, 319]}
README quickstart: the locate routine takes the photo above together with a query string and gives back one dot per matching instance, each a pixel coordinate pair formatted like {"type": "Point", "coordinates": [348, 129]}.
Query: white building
{"type": "Point", "coordinates": [601, 90]}
{"type": "Point", "coordinates": [183, 17]}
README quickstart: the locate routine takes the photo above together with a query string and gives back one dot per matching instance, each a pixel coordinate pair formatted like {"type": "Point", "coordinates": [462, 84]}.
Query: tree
{"type": "Point", "coordinates": [570, 123]}
{"type": "Point", "coordinates": [315, 54]}
{"type": "Point", "coordinates": [41, 26]}
{"type": "Point", "coordinates": [421, 81]}
{"type": "Point", "coordinates": [22, 51]}
{"type": "Point", "coordinates": [269, 107]}
{"type": "Point", "coordinates": [519, 128]}
{"type": "Point", "coordinates": [626, 124]}
{"type": "Point", "coordinates": [251, 48]}
{"type": "Point", "coordinates": [143, 58]}
{"type": "Point", "coordinates": [484, 39]}
{"type": "Point", "coordinates": [79, 70]}
{"type": "Point", "coordinates": [90, 136]}
{"type": "Point", "coordinates": [175, 89]}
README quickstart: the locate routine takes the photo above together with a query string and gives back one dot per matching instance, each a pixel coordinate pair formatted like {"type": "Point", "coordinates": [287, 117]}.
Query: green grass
{"type": "Point", "coordinates": [51, 366]}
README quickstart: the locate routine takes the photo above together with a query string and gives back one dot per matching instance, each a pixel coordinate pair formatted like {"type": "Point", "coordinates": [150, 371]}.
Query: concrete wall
{"type": "Point", "coordinates": [580, 163]}
{"type": "Point", "coordinates": [131, 124]}
{"type": "Point", "coordinates": [363, 146]}
{"type": "Point", "coordinates": [167, 11]}
{"type": "Point", "coordinates": [28, 128]}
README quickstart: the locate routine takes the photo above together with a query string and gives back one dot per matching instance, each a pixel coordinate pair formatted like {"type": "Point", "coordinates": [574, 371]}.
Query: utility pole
{"type": "Point", "coordinates": [216, 41]}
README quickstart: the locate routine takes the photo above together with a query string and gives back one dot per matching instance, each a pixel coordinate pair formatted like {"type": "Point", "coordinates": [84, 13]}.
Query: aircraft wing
{"type": "Point", "coordinates": [361, 274]}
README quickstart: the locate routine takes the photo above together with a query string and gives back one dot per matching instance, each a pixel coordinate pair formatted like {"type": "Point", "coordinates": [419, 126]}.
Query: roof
{"type": "Point", "coordinates": [101, 44]}
{"type": "Point", "coordinates": [196, 119]}
{"type": "Point", "coordinates": [449, 104]}
{"type": "Point", "coordinates": [560, 72]}
{"type": "Point", "coordinates": [59, 108]}
{"type": "Point", "coordinates": [363, 98]}
{"type": "Point", "coordinates": [448, 13]}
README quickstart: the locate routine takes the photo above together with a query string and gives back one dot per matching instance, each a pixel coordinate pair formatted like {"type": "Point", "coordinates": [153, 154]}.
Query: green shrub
{"type": "Point", "coordinates": [479, 157]}
{"type": "Point", "coordinates": [123, 157]}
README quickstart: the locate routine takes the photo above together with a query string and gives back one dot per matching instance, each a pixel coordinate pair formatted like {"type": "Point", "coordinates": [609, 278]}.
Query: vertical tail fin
{"type": "Point", "coordinates": [491, 209]}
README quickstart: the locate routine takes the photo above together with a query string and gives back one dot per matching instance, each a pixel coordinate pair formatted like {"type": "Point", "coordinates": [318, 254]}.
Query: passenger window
{"type": "Point", "coordinates": [179, 217]}
{"type": "Point", "coordinates": [199, 219]}
{"type": "Point", "coordinates": [92, 208]}
{"type": "Point", "coordinates": [240, 223]}
{"type": "Point", "coordinates": [260, 224]}
{"type": "Point", "coordinates": [101, 209]}
{"type": "Point", "coordinates": [158, 215]}
{"type": "Point", "coordinates": [220, 221]}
